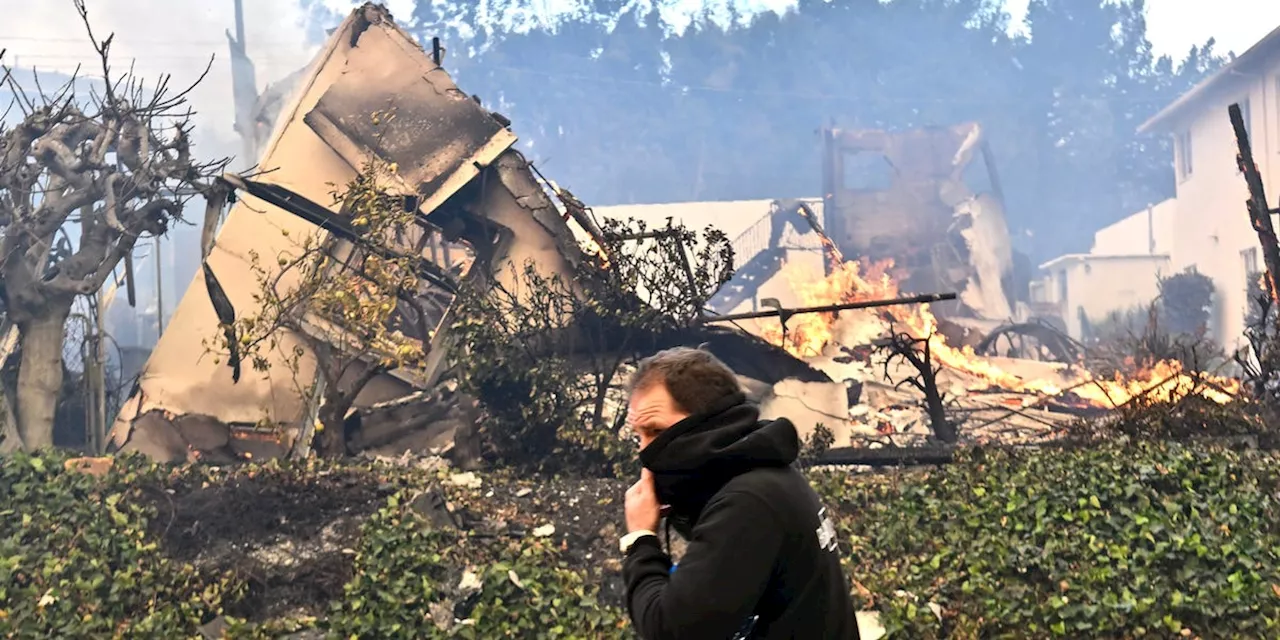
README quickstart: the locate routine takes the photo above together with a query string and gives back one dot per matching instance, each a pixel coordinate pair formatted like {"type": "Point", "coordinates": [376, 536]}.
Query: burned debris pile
{"type": "Point", "coordinates": [451, 300]}
{"type": "Point", "coordinates": [397, 276]}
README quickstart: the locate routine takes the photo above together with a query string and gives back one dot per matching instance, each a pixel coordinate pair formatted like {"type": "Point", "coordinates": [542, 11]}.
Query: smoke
{"type": "Point", "coordinates": [158, 37]}
{"type": "Point", "coordinates": [181, 40]}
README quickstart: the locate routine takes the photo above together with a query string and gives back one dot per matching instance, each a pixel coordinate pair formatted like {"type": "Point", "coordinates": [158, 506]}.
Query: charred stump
{"type": "Point", "coordinates": [1259, 211]}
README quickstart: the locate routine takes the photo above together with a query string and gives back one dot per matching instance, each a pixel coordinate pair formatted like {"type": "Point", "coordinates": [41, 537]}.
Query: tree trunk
{"type": "Point", "coordinates": [1259, 210]}
{"type": "Point", "coordinates": [332, 441]}
{"type": "Point", "coordinates": [9, 440]}
{"type": "Point", "coordinates": [602, 390]}
{"type": "Point", "coordinates": [39, 378]}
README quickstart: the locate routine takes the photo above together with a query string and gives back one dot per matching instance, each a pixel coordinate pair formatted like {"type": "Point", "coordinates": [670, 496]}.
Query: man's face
{"type": "Point", "coordinates": [650, 411]}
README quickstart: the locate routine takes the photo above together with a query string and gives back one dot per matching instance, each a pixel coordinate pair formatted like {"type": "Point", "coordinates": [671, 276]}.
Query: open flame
{"type": "Point", "coordinates": [810, 335]}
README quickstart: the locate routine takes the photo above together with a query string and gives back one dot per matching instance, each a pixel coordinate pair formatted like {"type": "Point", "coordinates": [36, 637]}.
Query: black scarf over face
{"type": "Point", "coordinates": [693, 459]}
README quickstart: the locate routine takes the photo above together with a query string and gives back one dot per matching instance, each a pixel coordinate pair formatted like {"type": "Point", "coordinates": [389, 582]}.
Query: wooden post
{"type": "Point", "coordinates": [1259, 212]}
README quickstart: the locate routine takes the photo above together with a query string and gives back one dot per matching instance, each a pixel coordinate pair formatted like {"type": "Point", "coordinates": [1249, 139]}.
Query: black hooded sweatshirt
{"type": "Point", "coordinates": [761, 556]}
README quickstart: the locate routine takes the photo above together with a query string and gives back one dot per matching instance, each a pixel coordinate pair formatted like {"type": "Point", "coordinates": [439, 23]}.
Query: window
{"type": "Point", "coordinates": [1250, 259]}
{"type": "Point", "coordinates": [1183, 150]}
{"type": "Point", "coordinates": [1062, 287]}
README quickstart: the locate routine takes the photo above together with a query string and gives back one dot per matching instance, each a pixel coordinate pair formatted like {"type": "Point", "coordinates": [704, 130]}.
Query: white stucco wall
{"type": "Point", "coordinates": [1149, 231]}
{"type": "Point", "coordinates": [1212, 232]}
{"type": "Point", "coordinates": [1098, 285]}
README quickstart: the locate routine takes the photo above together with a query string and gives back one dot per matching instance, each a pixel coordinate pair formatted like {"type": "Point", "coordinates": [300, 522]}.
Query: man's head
{"type": "Point", "coordinates": [672, 385]}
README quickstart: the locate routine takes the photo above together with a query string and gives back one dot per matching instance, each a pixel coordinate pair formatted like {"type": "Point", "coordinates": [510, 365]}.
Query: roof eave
{"type": "Point", "coordinates": [1153, 124]}
{"type": "Point", "coordinates": [1091, 257]}
{"type": "Point", "coordinates": [1250, 56]}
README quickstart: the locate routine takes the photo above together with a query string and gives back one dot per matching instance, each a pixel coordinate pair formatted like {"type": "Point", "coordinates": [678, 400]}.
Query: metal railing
{"type": "Point", "coordinates": [755, 239]}
{"type": "Point", "coordinates": [752, 241]}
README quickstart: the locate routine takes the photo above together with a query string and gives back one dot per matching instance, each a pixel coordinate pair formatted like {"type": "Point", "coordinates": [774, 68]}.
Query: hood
{"type": "Point", "coordinates": [694, 458]}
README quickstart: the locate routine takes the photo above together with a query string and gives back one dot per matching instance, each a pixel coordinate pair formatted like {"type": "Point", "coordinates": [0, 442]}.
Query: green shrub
{"type": "Point", "coordinates": [76, 560]}
{"type": "Point", "coordinates": [1123, 540]}
{"type": "Point", "coordinates": [398, 573]}
{"type": "Point", "coordinates": [532, 595]}
{"type": "Point", "coordinates": [403, 567]}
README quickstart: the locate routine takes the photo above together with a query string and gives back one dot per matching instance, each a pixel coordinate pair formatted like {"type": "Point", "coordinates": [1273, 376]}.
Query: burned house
{"type": "Point", "coordinates": [372, 93]}
{"type": "Point", "coordinates": [441, 141]}
{"type": "Point", "coordinates": [929, 200]}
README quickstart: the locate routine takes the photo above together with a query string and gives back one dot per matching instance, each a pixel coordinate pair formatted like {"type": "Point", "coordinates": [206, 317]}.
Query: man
{"type": "Point", "coordinates": [762, 559]}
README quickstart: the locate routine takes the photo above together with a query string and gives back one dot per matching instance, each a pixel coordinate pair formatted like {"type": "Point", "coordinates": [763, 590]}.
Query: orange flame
{"type": "Point", "coordinates": [809, 335]}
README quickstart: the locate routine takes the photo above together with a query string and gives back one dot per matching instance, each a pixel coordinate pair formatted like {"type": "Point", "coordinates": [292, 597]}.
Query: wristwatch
{"type": "Point", "coordinates": [630, 539]}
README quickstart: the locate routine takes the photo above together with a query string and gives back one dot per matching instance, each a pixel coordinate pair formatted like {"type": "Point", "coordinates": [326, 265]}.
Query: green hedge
{"type": "Point", "coordinates": [76, 560]}
{"type": "Point", "coordinates": [1138, 540]}
{"type": "Point", "coordinates": [1118, 540]}
{"type": "Point", "coordinates": [524, 590]}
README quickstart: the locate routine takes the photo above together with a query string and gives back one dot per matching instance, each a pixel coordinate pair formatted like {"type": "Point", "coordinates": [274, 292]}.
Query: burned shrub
{"type": "Point", "coordinates": [1190, 417]}
{"type": "Point", "coordinates": [542, 354]}
{"type": "Point", "coordinates": [1260, 361]}
{"type": "Point", "coordinates": [816, 445]}
{"type": "Point", "coordinates": [1132, 342]}
{"type": "Point", "coordinates": [345, 308]}
{"type": "Point", "coordinates": [1186, 302]}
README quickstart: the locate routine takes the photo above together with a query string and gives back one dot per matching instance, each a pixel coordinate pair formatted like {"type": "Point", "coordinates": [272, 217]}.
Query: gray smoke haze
{"type": "Point", "coordinates": [178, 38]}
{"type": "Point", "coordinates": [162, 37]}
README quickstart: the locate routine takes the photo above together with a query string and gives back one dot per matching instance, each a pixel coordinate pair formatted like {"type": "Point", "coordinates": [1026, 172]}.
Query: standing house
{"type": "Point", "coordinates": [1121, 272]}
{"type": "Point", "coordinates": [1205, 227]}
{"type": "Point", "coordinates": [1211, 232]}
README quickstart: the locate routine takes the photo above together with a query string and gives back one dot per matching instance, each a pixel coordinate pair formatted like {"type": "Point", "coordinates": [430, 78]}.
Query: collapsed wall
{"type": "Point", "coordinates": [454, 154]}
{"type": "Point", "coordinates": [922, 199]}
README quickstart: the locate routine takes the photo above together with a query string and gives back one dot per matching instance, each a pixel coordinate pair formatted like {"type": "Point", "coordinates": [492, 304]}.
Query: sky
{"type": "Point", "coordinates": [1173, 26]}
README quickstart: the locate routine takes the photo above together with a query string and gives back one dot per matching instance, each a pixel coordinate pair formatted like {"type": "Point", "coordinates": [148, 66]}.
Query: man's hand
{"type": "Point", "coordinates": [643, 510]}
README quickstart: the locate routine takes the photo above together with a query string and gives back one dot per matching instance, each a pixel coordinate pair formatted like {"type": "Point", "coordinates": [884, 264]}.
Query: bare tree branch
{"type": "Point", "coordinates": [118, 164]}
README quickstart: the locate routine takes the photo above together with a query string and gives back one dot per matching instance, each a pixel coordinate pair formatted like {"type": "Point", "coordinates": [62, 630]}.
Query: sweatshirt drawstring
{"type": "Point", "coordinates": [666, 529]}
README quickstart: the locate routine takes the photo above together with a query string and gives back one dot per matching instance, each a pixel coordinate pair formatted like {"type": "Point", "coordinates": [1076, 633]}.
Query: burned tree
{"type": "Point", "coordinates": [543, 355]}
{"type": "Point", "coordinates": [349, 303]}
{"type": "Point", "coordinates": [116, 166]}
{"type": "Point", "coordinates": [918, 353]}
{"type": "Point", "coordinates": [1259, 211]}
